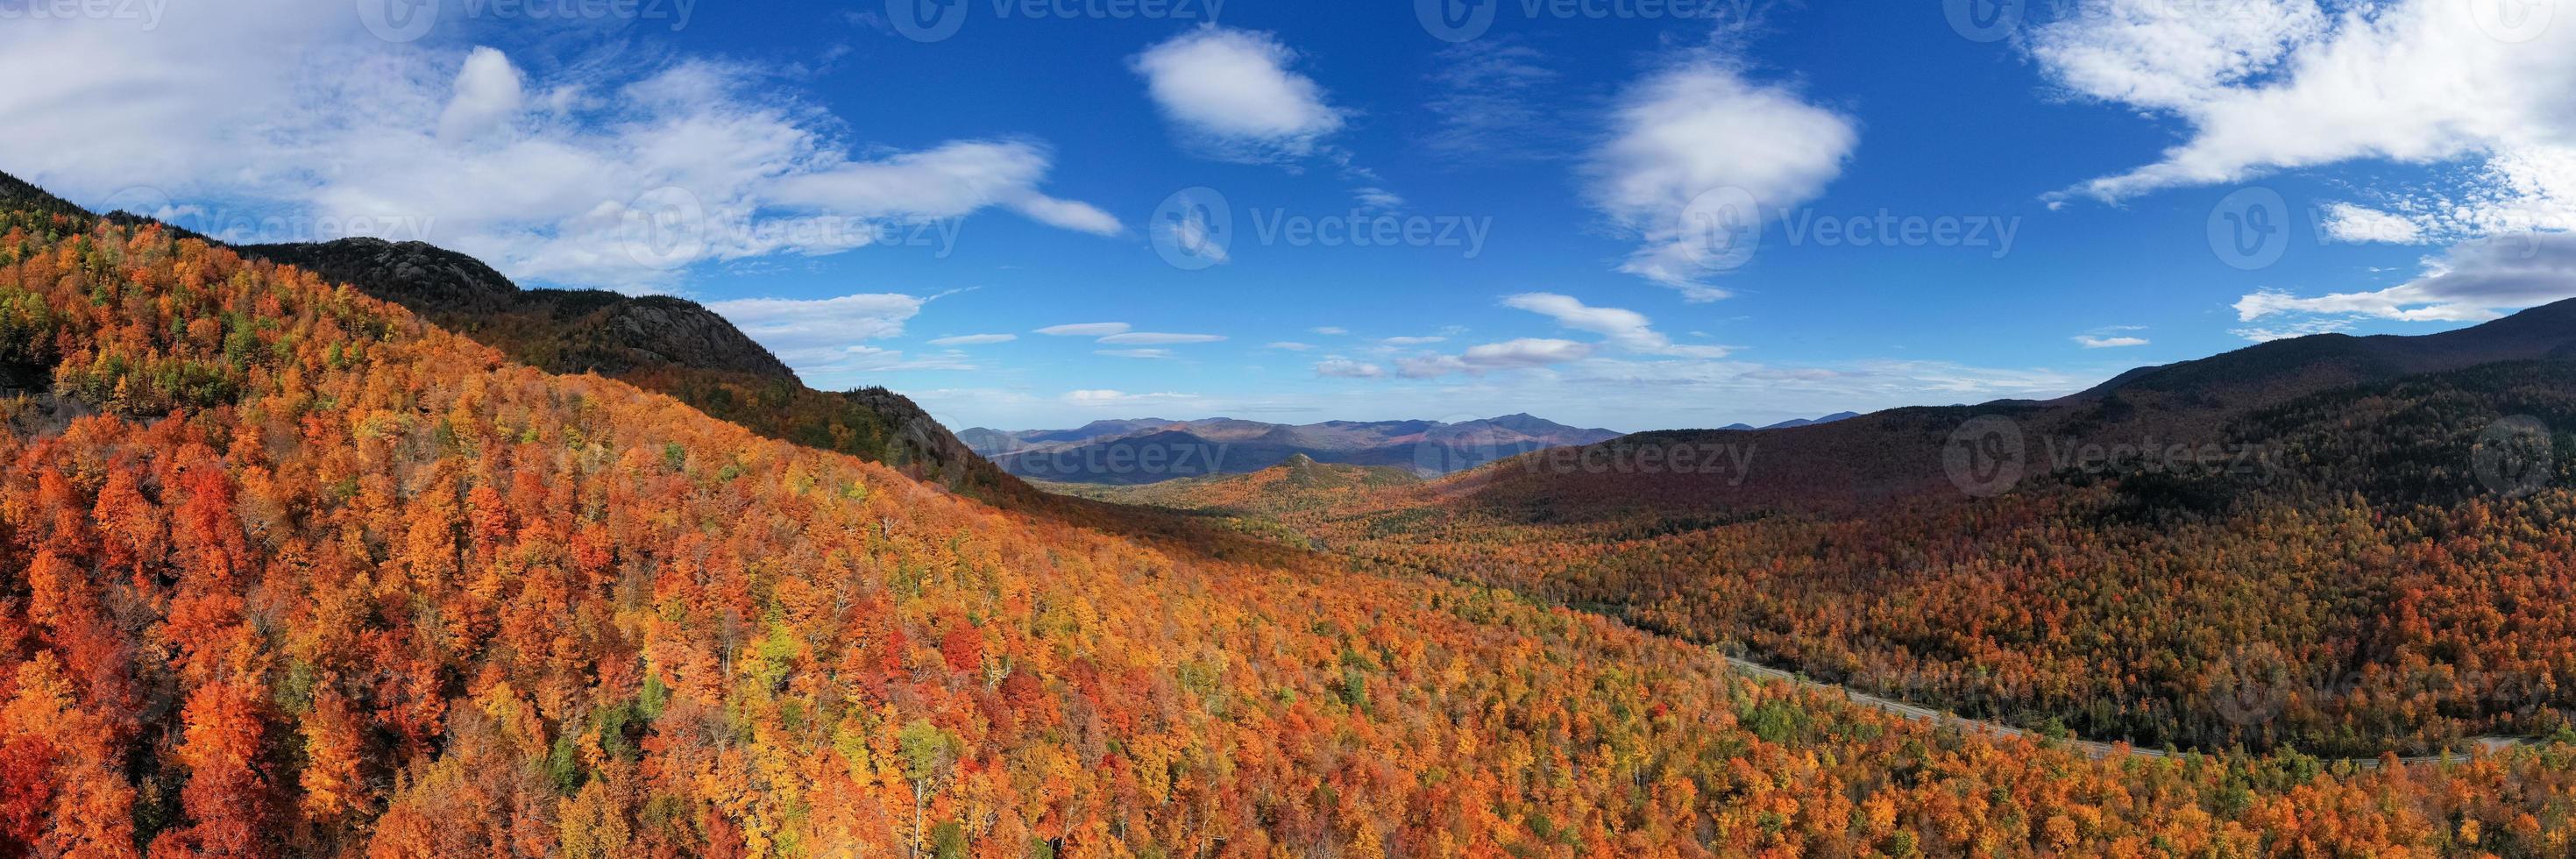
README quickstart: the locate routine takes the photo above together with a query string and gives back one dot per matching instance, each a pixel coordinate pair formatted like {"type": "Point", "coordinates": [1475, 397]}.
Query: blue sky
{"type": "Point", "coordinates": [1596, 215]}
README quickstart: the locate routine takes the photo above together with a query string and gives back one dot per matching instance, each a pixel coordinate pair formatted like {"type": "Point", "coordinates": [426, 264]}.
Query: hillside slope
{"type": "Point", "coordinates": [662, 343]}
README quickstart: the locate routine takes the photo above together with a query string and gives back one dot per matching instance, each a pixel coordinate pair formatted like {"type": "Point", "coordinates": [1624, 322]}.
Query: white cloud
{"type": "Point", "coordinates": [1343, 368]}
{"type": "Point", "coordinates": [819, 338]}
{"type": "Point", "coordinates": [2347, 222]}
{"type": "Point", "coordinates": [1154, 338]}
{"type": "Point", "coordinates": [1109, 398]}
{"type": "Point", "coordinates": [2090, 341]}
{"type": "Point", "coordinates": [289, 108]}
{"type": "Point", "coordinates": [1701, 127]}
{"type": "Point", "coordinates": [949, 181]}
{"type": "Point", "coordinates": [1523, 353]}
{"type": "Point", "coordinates": [2165, 55]}
{"type": "Point", "coordinates": [1489, 106]}
{"type": "Point", "coordinates": [2470, 282]}
{"type": "Point", "coordinates": [1085, 329]}
{"type": "Point", "coordinates": [2303, 328]}
{"type": "Point", "coordinates": [1289, 345]}
{"type": "Point", "coordinates": [1233, 96]}
{"type": "Point", "coordinates": [1626, 329]}
{"type": "Point", "coordinates": [1411, 341]}
{"type": "Point", "coordinates": [1378, 199]}
{"type": "Point", "coordinates": [2287, 84]}
{"type": "Point", "coordinates": [1330, 331]}
{"type": "Point", "coordinates": [974, 339]}
{"type": "Point", "coordinates": [487, 93]}
{"type": "Point", "coordinates": [816, 332]}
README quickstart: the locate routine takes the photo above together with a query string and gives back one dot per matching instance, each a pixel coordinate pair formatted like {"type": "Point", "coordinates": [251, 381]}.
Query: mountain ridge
{"type": "Point", "coordinates": [1149, 450]}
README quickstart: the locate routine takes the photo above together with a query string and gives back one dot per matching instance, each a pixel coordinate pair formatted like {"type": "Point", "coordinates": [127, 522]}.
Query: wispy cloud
{"type": "Point", "coordinates": [1086, 329]}
{"type": "Point", "coordinates": [974, 339]}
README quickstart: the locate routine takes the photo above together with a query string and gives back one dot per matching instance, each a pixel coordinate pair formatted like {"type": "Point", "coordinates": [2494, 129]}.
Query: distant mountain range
{"type": "Point", "coordinates": [1793, 422]}
{"type": "Point", "coordinates": [1148, 450]}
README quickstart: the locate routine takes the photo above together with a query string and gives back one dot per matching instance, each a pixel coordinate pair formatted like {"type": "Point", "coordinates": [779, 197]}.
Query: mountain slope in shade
{"type": "Point", "coordinates": [1145, 451]}
{"type": "Point", "coordinates": [564, 331]}
{"type": "Point", "coordinates": [2281, 369]}
{"type": "Point", "coordinates": [1869, 459]}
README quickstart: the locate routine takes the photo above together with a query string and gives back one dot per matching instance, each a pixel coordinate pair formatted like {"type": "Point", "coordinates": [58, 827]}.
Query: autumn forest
{"type": "Point", "coordinates": [286, 570]}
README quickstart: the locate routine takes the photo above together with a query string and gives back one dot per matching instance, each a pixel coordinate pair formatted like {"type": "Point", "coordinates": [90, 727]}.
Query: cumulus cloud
{"type": "Point", "coordinates": [2471, 282]}
{"type": "Point", "coordinates": [617, 174]}
{"type": "Point", "coordinates": [1702, 127]}
{"type": "Point", "coordinates": [486, 93]}
{"type": "Point", "coordinates": [1231, 94]}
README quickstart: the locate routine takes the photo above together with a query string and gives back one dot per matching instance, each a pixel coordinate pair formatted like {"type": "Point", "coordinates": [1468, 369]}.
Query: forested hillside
{"type": "Point", "coordinates": [286, 571]}
{"type": "Point", "coordinates": [2344, 573]}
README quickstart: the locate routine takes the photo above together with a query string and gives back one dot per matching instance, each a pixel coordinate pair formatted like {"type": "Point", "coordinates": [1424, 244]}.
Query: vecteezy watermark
{"type": "Point", "coordinates": [1884, 228]}
{"type": "Point", "coordinates": [936, 20]}
{"type": "Point", "coordinates": [2254, 462]}
{"type": "Point", "coordinates": [1985, 456]}
{"type": "Point", "coordinates": [2512, 21]}
{"type": "Point", "coordinates": [1983, 20]}
{"type": "Point", "coordinates": [1730, 460]}
{"type": "Point", "coordinates": [2250, 228]}
{"type": "Point", "coordinates": [1360, 228]}
{"type": "Point", "coordinates": [1722, 229]}
{"type": "Point", "coordinates": [260, 227]}
{"type": "Point", "coordinates": [669, 227]}
{"type": "Point", "coordinates": [1464, 20]}
{"type": "Point", "coordinates": [147, 12]}
{"type": "Point", "coordinates": [409, 20]}
{"type": "Point", "coordinates": [1989, 455]}
{"type": "Point", "coordinates": [1195, 228]}
{"type": "Point", "coordinates": [1125, 458]}
{"type": "Point", "coordinates": [2514, 457]}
